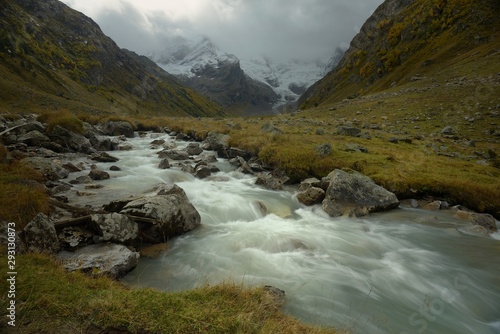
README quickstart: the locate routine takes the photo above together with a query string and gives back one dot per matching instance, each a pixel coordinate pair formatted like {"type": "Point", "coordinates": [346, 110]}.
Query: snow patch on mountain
{"type": "Point", "coordinates": [288, 79]}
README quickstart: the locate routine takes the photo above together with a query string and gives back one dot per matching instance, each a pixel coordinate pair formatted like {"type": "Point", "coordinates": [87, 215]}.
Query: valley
{"type": "Point", "coordinates": [413, 105]}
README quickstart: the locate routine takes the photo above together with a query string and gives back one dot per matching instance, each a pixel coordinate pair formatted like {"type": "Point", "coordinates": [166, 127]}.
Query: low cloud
{"type": "Point", "coordinates": [279, 29]}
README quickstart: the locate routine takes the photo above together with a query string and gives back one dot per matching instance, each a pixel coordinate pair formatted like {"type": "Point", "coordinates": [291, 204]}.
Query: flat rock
{"type": "Point", "coordinates": [101, 259]}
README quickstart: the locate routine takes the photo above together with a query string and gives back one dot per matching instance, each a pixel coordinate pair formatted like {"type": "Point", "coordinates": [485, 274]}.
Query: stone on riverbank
{"type": "Point", "coordinates": [101, 259]}
{"type": "Point", "coordinates": [118, 128]}
{"type": "Point", "coordinates": [47, 167]}
{"type": "Point", "coordinates": [40, 235]}
{"type": "Point", "coordinates": [356, 195]}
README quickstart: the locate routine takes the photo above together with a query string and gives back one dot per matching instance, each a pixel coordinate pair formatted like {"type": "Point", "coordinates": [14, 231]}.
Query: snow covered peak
{"type": "Point", "coordinates": [181, 56]}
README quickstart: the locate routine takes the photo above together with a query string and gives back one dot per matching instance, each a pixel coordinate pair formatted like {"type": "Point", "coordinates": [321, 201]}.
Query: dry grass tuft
{"type": "Point", "coordinates": [21, 196]}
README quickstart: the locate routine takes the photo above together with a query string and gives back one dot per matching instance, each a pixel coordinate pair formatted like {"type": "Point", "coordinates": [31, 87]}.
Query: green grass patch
{"type": "Point", "coordinates": [51, 300]}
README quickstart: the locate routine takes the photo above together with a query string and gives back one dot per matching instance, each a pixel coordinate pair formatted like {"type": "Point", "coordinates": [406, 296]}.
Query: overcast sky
{"type": "Point", "coordinates": [279, 29]}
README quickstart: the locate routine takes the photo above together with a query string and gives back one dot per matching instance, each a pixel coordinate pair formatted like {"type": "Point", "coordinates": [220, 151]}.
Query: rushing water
{"type": "Point", "coordinates": [404, 271]}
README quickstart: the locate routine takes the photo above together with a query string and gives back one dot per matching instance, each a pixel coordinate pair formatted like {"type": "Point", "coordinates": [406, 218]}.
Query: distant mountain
{"type": "Point", "coordinates": [52, 56]}
{"type": "Point", "coordinates": [201, 66]}
{"type": "Point", "coordinates": [402, 39]}
{"type": "Point", "coordinates": [257, 86]}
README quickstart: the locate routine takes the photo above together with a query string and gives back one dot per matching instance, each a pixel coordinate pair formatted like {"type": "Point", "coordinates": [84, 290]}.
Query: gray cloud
{"type": "Point", "coordinates": [279, 29]}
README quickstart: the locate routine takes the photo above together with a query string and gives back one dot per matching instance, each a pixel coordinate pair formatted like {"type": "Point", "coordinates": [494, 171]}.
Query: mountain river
{"type": "Point", "coordinates": [404, 271]}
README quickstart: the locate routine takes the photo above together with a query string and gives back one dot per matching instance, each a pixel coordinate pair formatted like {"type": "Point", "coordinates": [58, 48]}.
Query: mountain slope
{"type": "Point", "coordinates": [54, 57]}
{"type": "Point", "coordinates": [403, 39]}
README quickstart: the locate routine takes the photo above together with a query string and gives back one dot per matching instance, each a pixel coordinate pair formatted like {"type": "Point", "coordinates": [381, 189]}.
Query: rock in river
{"type": "Point", "coordinates": [171, 214]}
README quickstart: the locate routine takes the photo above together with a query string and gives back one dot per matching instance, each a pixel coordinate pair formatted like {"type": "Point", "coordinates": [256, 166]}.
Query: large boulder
{"type": "Point", "coordinates": [101, 259]}
{"type": "Point", "coordinates": [48, 168]}
{"type": "Point", "coordinates": [97, 175]}
{"type": "Point", "coordinates": [70, 140]}
{"type": "Point", "coordinates": [356, 195]}
{"type": "Point", "coordinates": [171, 214]}
{"type": "Point", "coordinates": [118, 128]}
{"type": "Point", "coordinates": [115, 227]}
{"type": "Point", "coordinates": [217, 142]}
{"type": "Point", "coordinates": [40, 235]}
{"type": "Point", "coordinates": [194, 149]}
{"type": "Point", "coordinates": [348, 131]}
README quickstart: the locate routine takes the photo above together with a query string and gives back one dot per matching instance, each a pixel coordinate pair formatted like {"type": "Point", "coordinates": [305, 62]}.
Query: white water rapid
{"type": "Point", "coordinates": [404, 271]}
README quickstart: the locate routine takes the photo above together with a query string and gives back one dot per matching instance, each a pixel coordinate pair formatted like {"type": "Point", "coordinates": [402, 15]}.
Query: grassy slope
{"type": "Point", "coordinates": [50, 300]}
{"type": "Point", "coordinates": [391, 48]}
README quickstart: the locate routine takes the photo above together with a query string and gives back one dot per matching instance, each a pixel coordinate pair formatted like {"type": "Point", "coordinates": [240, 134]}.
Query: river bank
{"type": "Point", "coordinates": [282, 239]}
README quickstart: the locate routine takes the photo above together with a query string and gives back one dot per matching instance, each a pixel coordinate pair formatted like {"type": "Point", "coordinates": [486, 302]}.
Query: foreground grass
{"type": "Point", "coordinates": [50, 300]}
{"type": "Point", "coordinates": [22, 196]}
